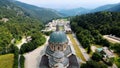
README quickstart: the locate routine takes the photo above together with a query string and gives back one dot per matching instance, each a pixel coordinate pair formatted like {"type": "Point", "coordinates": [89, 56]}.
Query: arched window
{"type": "Point", "coordinates": [64, 46]}
{"type": "Point", "coordinates": [56, 48]}
{"type": "Point", "coordinates": [59, 48]}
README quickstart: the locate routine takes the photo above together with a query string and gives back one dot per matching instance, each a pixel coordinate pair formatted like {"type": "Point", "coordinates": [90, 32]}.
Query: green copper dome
{"type": "Point", "coordinates": [58, 37]}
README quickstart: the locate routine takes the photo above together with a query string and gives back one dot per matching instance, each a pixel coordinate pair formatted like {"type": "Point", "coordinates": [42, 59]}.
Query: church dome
{"type": "Point", "coordinates": [58, 37]}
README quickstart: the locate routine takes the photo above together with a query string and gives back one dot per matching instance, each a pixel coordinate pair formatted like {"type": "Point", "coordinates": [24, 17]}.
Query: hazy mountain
{"type": "Point", "coordinates": [106, 8]}
{"type": "Point", "coordinates": [43, 14]}
{"type": "Point", "coordinates": [73, 12]}
{"type": "Point", "coordinates": [115, 8]}
{"type": "Point", "coordinates": [79, 11]}
{"type": "Point", "coordinates": [9, 10]}
{"type": "Point", "coordinates": [12, 8]}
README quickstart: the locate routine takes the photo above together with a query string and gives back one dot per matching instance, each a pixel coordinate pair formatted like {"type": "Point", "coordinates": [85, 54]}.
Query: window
{"type": "Point", "coordinates": [59, 48]}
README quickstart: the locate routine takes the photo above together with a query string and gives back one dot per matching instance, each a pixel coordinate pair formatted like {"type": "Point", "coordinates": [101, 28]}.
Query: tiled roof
{"type": "Point", "coordinates": [53, 62]}
{"type": "Point", "coordinates": [73, 63]}
{"type": "Point", "coordinates": [44, 62]}
{"type": "Point", "coordinates": [58, 37]}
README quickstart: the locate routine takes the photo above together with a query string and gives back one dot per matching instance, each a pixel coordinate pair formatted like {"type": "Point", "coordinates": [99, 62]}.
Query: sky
{"type": "Point", "coordinates": [69, 4]}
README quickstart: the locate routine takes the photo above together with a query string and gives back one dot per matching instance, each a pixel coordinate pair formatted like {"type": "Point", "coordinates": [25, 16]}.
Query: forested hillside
{"type": "Point", "coordinates": [14, 24]}
{"type": "Point", "coordinates": [104, 22]}
{"type": "Point", "coordinates": [115, 8]}
{"type": "Point", "coordinates": [89, 28]}
{"type": "Point", "coordinates": [44, 14]}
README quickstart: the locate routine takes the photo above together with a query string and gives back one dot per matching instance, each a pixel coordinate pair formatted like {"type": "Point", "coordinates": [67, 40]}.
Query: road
{"type": "Point", "coordinates": [111, 39]}
{"type": "Point", "coordinates": [86, 56]}
{"type": "Point", "coordinates": [19, 46]}
{"type": "Point", "coordinates": [32, 59]}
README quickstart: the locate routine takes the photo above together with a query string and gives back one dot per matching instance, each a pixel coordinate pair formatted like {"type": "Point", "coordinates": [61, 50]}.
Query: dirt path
{"type": "Point", "coordinates": [22, 42]}
{"type": "Point", "coordinates": [111, 39]}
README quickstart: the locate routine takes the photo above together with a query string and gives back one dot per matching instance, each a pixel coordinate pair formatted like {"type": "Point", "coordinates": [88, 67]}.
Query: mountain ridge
{"type": "Point", "coordinates": [42, 14]}
{"type": "Point", "coordinates": [75, 11]}
{"type": "Point", "coordinates": [104, 7]}
{"type": "Point", "coordinates": [39, 12]}
{"type": "Point", "coordinates": [79, 11]}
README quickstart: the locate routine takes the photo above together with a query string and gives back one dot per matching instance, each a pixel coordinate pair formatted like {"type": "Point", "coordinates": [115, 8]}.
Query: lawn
{"type": "Point", "coordinates": [117, 61]}
{"type": "Point", "coordinates": [98, 46]}
{"type": "Point", "coordinates": [65, 19]}
{"type": "Point", "coordinates": [6, 61]}
{"type": "Point", "coordinates": [61, 28]}
{"type": "Point", "coordinates": [18, 41]}
{"type": "Point", "coordinates": [76, 47]}
{"type": "Point", "coordinates": [93, 48]}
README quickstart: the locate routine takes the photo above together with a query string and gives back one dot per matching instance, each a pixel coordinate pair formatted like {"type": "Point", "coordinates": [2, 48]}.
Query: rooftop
{"type": "Point", "coordinates": [58, 54]}
{"type": "Point", "coordinates": [58, 37]}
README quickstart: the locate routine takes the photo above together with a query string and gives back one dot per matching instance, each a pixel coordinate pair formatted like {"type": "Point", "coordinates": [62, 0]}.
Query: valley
{"type": "Point", "coordinates": [39, 37]}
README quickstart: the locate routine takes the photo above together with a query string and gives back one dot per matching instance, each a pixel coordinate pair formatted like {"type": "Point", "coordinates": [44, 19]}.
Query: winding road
{"type": "Point", "coordinates": [19, 46]}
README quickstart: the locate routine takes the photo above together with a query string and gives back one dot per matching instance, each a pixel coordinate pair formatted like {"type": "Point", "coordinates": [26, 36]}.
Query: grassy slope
{"type": "Point", "coordinates": [76, 47]}
{"type": "Point", "coordinates": [117, 61]}
{"type": "Point", "coordinates": [6, 61]}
